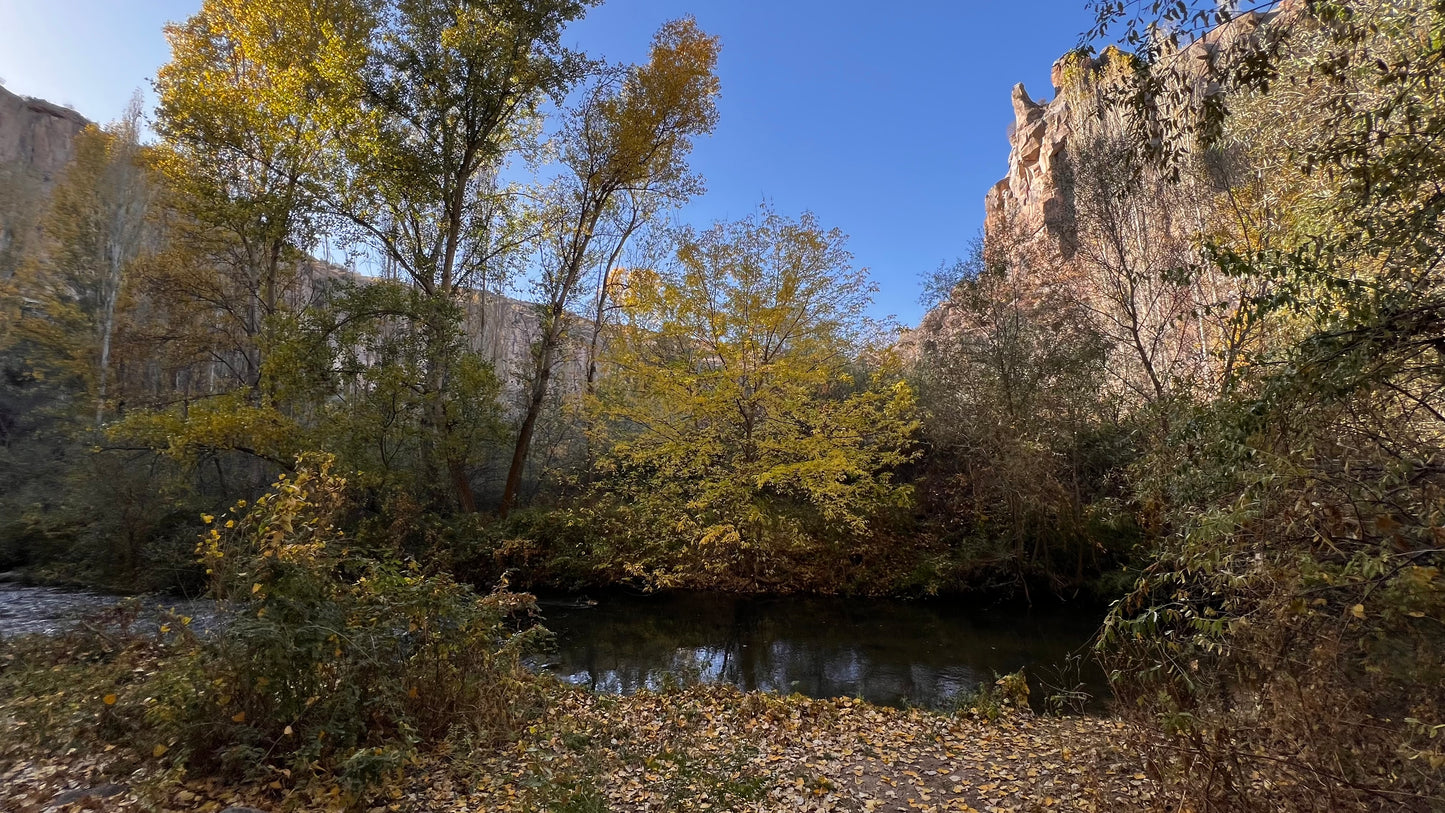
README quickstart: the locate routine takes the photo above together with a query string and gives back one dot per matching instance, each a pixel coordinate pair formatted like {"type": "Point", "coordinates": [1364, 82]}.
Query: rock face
{"type": "Point", "coordinates": [36, 136]}
{"type": "Point", "coordinates": [35, 145]}
{"type": "Point", "coordinates": [1029, 197]}
{"type": "Point", "coordinates": [1029, 215]}
{"type": "Point", "coordinates": [499, 328]}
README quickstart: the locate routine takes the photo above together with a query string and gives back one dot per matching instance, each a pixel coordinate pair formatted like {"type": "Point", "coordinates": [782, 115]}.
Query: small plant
{"type": "Point", "coordinates": [1008, 694]}
{"type": "Point", "coordinates": [338, 658]}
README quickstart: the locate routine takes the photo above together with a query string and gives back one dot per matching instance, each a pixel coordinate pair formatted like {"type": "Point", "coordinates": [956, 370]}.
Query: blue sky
{"type": "Point", "coordinates": [886, 120]}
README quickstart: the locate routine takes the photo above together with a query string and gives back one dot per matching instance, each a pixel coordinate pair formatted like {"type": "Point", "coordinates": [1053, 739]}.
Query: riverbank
{"type": "Point", "coordinates": [705, 748]}
{"type": "Point", "coordinates": [87, 718]}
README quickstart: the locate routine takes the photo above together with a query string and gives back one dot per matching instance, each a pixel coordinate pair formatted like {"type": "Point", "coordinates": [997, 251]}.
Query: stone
{"type": "Point", "coordinates": [105, 791]}
{"type": "Point", "coordinates": [1030, 211]}
{"type": "Point", "coordinates": [36, 135]}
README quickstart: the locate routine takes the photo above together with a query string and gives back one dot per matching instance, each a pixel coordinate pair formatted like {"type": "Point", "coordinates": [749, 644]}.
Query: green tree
{"type": "Point", "coordinates": [733, 403]}
{"type": "Point", "coordinates": [449, 91]}
{"type": "Point", "coordinates": [625, 144]}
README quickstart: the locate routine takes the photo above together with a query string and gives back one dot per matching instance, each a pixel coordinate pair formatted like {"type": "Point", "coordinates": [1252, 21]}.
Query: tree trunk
{"type": "Point", "coordinates": [524, 437]}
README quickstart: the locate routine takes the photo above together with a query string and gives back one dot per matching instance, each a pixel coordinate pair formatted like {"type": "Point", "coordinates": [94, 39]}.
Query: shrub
{"type": "Point", "coordinates": [338, 658]}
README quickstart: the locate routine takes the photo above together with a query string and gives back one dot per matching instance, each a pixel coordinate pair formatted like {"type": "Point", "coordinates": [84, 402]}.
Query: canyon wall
{"type": "Point", "coordinates": [36, 136]}
{"type": "Point", "coordinates": [35, 145]}
{"type": "Point", "coordinates": [1031, 217]}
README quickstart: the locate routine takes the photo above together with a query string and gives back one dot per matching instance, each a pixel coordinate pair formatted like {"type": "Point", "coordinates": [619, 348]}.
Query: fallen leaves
{"type": "Point", "coordinates": [709, 748]}
{"type": "Point", "coordinates": [715, 748]}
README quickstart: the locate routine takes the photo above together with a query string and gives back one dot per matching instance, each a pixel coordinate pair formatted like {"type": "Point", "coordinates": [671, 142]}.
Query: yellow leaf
{"type": "Point", "coordinates": [109, 699]}
{"type": "Point", "coordinates": [159, 751]}
{"type": "Point", "coordinates": [238, 717]}
{"type": "Point", "coordinates": [256, 588]}
{"type": "Point", "coordinates": [1358, 611]}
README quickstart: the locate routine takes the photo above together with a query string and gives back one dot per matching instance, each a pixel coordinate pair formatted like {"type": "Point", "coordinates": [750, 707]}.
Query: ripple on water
{"type": "Point", "coordinates": [50, 610]}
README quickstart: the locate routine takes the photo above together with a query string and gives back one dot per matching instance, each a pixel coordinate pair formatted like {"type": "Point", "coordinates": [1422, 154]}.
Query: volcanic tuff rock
{"type": "Point", "coordinates": [36, 136]}
{"type": "Point", "coordinates": [1029, 196]}
{"type": "Point", "coordinates": [1030, 211]}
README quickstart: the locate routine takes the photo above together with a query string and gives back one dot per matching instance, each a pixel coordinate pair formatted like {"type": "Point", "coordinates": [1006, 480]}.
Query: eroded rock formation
{"type": "Point", "coordinates": [1030, 215]}
{"type": "Point", "coordinates": [36, 136]}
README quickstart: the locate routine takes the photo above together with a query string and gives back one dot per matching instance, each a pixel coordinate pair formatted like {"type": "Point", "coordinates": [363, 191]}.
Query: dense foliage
{"type": "Point", "coordinates": [1212, 386]}
{"type": "Point", "coordinates": [1290, 625]}
{"type": "Point", "coordinates": [744, 436]}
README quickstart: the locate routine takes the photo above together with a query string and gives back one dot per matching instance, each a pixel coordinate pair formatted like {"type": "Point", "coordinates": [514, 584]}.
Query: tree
{"type": "Point", "coordinates": [734, 405]}
{"type": "Point", "coordinates": [245, 108]}
{"type": "Point", "coordinates": [353, 369]}
{"type": "Point", "coordinates": [62, 347]}
{"type": "Point", "coordinates": [1022, 434]}
{"type": "Point", "coordinates": [449, 90]}
{"type": "Point", "coordinates": [1287, 631]}
{"type": "Point", "coordinates": [95, 228]}
{"type": "Point", "coordinates": [628, 140]}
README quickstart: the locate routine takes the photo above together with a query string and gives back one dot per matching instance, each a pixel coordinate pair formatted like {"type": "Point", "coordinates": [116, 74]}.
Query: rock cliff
{"type": "Point", "coordinates": [1030, 212]}
{"type": "Point", "coordinates": [36, 136]}
{"type": "Point", "coordinates": [35, 145]}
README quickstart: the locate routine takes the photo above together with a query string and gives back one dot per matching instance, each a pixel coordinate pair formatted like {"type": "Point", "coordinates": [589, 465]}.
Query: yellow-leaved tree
{"type": "Point", "coordinates": [749, 413]}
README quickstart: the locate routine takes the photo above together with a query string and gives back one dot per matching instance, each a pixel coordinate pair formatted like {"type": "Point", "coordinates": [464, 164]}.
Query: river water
{"type": "Point", "coordinates": [896, 653]}
{"type": "Point", "coordinates": [927, 654]}
{"type": "Point", "coordinates": [50, 610]}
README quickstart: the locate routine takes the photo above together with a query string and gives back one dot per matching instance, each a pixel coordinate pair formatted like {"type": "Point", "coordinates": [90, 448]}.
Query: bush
{"type": "Point", "coordinates": [1006, 695]}
{"type": "Point", "coordinates": [1286, 646]}
{"type": "Point", "coordinates": [337, 658]}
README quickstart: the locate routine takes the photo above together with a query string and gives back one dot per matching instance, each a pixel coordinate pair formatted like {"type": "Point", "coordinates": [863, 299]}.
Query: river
{"type": "Point", "coordinates": [925, 653]}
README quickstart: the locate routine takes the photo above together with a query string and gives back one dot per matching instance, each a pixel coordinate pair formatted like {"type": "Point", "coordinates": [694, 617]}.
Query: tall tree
{"type": "Point", "coordinates": [245, 112]}
{"type": "Point", "coordinates": [94, 231]}
{"type": "Point", "coordinates": [626, 142]}
{"type": "Point", "coordinates": [450, 89]}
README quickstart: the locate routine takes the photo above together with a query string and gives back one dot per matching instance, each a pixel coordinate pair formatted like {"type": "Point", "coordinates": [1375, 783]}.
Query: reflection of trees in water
{"type": "Point", "coordinates": [886, 652]}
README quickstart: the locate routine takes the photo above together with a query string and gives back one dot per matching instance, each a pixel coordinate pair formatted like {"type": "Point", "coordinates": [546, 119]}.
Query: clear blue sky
{"type": "Point", "coordinates": [887, 120]}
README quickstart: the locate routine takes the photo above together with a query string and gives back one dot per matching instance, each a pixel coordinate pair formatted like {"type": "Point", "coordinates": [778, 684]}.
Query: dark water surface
{"type": "Point", "coordinates": [927, 654]}
{"type": "Point", "coordinates": [888, 652]}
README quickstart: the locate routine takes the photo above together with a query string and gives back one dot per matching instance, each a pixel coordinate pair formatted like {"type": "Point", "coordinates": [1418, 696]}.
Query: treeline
{"type": "Point", "coordinates": [670, 407]}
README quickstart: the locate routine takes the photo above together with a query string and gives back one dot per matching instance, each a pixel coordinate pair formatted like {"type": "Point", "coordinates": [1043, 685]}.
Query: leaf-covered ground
{"type": "Point", "coordinates": [706, 748]}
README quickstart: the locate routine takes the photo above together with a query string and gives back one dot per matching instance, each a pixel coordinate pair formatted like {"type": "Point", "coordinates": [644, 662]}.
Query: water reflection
{"type": "Point", "coordinates": [887, 652]}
